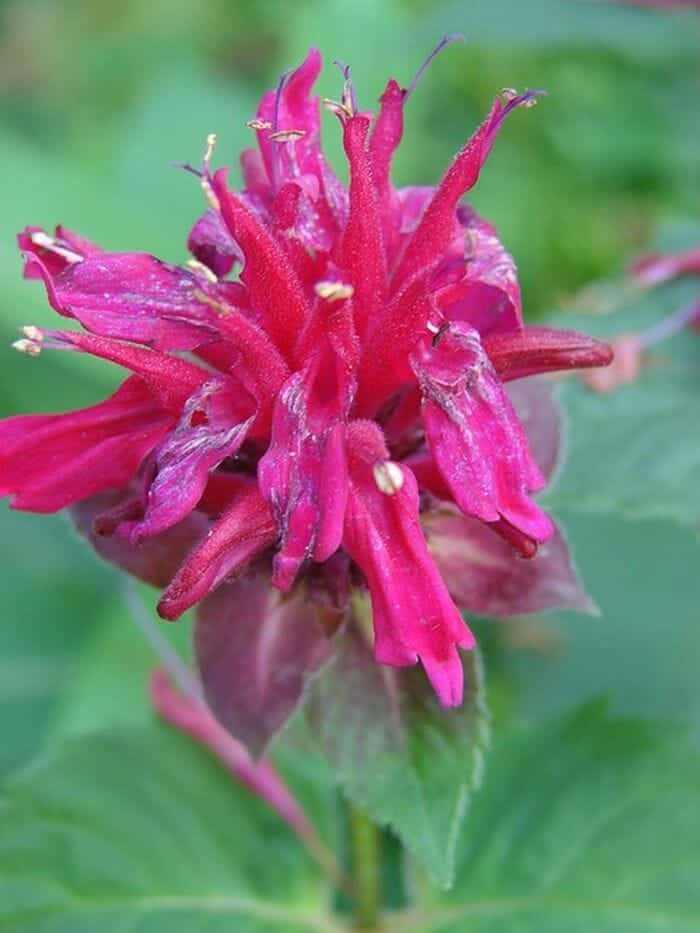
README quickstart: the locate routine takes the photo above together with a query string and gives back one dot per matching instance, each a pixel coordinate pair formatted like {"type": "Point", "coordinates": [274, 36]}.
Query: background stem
{"type": "Point", "coordinates": [365, 848]}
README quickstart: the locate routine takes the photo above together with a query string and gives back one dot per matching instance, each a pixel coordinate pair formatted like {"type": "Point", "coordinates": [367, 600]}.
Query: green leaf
{"type": "Point", "coordinates": [589, 823]}
{"type": "Point", "coordinates": [635, 452]}
{"type": "Point", "coordinates": [137, 830]}
{"type": "Point", "coordinates": [397, 753]}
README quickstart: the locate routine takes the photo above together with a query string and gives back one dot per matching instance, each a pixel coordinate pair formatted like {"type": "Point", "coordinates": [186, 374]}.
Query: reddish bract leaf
{"type": "Point", "coordinates": [50, 461]}
{"type": "Point", "coordinates": [255, 651]}
{"type": "Point", "coordinates": [155, 560]}
{"type": "Point", "coordinates": [483, 576]}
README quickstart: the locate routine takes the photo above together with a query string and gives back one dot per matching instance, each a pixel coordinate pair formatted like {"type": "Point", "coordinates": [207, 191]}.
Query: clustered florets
{"type": "Point", "coordinates": [310, 423]}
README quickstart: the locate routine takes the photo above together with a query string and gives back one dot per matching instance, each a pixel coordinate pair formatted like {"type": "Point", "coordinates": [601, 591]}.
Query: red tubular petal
{"type": "Point", "coordinates": [50, 461]}
{"type": "Point", "coordinates": [413, 616]}
{"type": "Point", "coordinates": [275, 290]}
{"type": "Point", "coordinates": [362, 252]}
{"type": "Point", "coordinates": [474, 435]}
{"type": "Point", "coordinates": [171, 380]}
{"type": "Point", "coordinates": [244, 530]}
{"type": "Point", "coordinates": [384, 141]}
{"type": "Point", "coordinates": [543, 350]}
{"type": "Point", "coordinates": [385, 365]}
{"type": "Point", "coordinates": [437, 224]}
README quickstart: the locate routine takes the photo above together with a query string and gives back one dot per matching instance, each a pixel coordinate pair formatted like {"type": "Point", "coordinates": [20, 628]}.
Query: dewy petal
{"type": "Point", "coordinates": [255, 650]}
{"type": "Point", "coordinates": [50, 461]}
{"type": "Point", "coordinates": [542, 350]}
{"type": "Point", "coordinates": [413, 615]}
{"type": "Point", "coordinates": [211, 243]}
{"type": "Point", "coordinates": [244, 530]}
{"type": "Point", "coordinates": [484, 576]}
{"type": "Point", "coordinates": [474, 435]}
{"type": "Point", "coordinates": [131, 296]}
{"type": "Point", "coordinates": [488, 295]}
{"type": "Point", "coordinates": [156, 559]}
{"type": "Point", "coordinates": [213, 425]}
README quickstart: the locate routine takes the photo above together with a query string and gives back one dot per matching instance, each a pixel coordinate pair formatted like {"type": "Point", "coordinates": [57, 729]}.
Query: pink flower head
{"type": "Point", "coordinates": [298, 424]}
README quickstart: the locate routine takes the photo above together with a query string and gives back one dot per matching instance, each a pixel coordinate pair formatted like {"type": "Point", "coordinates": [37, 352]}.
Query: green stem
{"type": "Point", "coordinates": [365, 847]}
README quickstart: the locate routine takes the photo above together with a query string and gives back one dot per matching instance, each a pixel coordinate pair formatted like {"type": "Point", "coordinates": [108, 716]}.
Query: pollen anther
{"type": "Point", "coordinates": [333, 291]}
{"type": "Point", "coordinates": [388, 476]}
{"type": "Point", "coordinates": [29, 347]}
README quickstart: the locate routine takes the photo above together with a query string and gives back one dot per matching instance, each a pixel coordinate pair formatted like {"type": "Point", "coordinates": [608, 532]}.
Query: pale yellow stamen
{"type": "Point", "coordinates": [287, 136]}
{"type": "Point", "coordinates": [39, 238]}
{"type": "Point", "coordinates": [333, 291]}
{"type": "Point", "coordinates": [29, 347]}
{"type": "Point", "coordinates": [388, 476]}
{"type": "Point", "coordinates": [258, 124]}
{"type": "Point", "coordinates": [199, 267]}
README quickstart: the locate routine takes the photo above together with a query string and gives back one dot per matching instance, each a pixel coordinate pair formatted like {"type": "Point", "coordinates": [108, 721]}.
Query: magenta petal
{"type": "Point", "coordinates": [484, 575]}
{"type": "Point", "coordinates": [413, 616]}
{"type": "Point", "coordinates": [303, 473]}
{"type": "Point", "coordinates": [132, 296]}
{"type": "Point", "coordinates": [210, 429]}
{"type": "Point", "coordinates": [474, 435]}
{"type": "Point", "coordinates": [50, 461]}
{"type": "Point", "coordinates": [488, 296]}
{"type": "Point", "coordinates": [244, 530]}
{"type": "Point", "coordinates": [156, 559]}
{"type": "Point", "coordinates": [212, 244]}
{"type": "Point", "coordinates": [255, 651]}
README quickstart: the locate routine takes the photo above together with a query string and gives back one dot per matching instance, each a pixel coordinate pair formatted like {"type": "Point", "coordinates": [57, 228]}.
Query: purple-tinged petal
{"type": "Point", "coordinates": [474, 435]}
{"type": "Point", "coordinates": [488, 295]}
{"type": "Point", "coordinates": [244, 530]}
{"type": "Point", "coordinates": [413, 616]}
{"type": "Point", "coordinates": [484, 575]}
{"type": "Point", "coordinates": [213, 425]}
{"type": "Point", "coordinates": [259, 777]}
{"type": "Point", "coordinates": [156, 559]}
{"type": "Point", "coordinates": [544, 350]}
{"type": "Point", "coordinates": [211, 243]}
{"type": "Point", "coordinates": [50, 461]}
{"type": "Point", "coordinates": [132, 296]}
{"type": "Point", "coordinates": [255, 651]}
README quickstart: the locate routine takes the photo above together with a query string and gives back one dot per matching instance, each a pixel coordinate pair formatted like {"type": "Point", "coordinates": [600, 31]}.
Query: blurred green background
{"type": "Point", "coordinates": [96, 103]}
